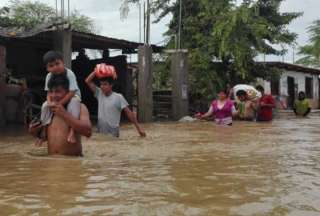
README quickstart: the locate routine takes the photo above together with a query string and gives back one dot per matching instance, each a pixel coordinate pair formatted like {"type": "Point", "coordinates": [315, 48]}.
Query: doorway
{"type": "Point", "coordinates": [291, 92]}
{"type": "Point", "coordinates": [318, 92]}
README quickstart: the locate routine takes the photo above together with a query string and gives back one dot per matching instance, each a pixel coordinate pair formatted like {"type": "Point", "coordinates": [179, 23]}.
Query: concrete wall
{"type": "Point", "coordinates": [179, 73]}
{"type": "Point", "coordinates": [62, 41]}
{"type": "Point", "coordinates": [2, 85]}
{"type": "Point", "coordinates": [145, 78]}
{"type": "Point", "coordinates": [299, 79]}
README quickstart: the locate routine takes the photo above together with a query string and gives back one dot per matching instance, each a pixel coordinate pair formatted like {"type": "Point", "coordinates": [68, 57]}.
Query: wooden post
{"type": "Point", "coordinates": [179, 71]}
{"type": "Point", "coordinates": [2, 85]}
{"type": "Point", "coordinates": [145, 93]}
{"type": "Point", "coordinates": [129, 86]}
{"type": "Point", "coordinates": [62, 41]}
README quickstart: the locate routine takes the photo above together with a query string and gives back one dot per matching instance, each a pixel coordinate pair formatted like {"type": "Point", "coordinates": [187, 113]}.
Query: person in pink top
{"type": "Point", "coordinates": [222, 110]}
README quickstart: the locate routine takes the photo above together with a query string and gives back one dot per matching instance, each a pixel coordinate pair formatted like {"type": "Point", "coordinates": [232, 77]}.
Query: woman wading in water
{"type": "Point", "coordinates": [222, 110]}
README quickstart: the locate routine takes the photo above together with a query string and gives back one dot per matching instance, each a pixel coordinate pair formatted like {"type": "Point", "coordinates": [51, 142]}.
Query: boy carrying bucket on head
{"type": "Point", "coordinates": [54, 63]}
{"type": "Point", "coordinates": [110, 104]}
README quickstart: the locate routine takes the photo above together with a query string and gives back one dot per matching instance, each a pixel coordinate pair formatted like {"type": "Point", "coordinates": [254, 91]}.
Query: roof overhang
{"type": "Point", "coordinates": [292, 67]}
{"type": "Point", "coordinates": [43, 37]}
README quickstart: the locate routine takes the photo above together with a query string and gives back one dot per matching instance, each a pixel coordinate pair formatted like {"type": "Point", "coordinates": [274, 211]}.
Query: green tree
{"type": "Point", "coordinates": [4, 17]}
{"type": "Point", "coordinates": [82, 23]}
{"type": "Point", "coordinates": [311, 51]}
{"type": "Point", "coordinates": [232, 35]}
{"type": "Point", "coordinates": [27, 14]}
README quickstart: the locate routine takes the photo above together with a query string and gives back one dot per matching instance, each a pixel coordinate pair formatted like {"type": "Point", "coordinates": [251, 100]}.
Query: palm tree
{"type": "Point", "coordinates": [311, 51]}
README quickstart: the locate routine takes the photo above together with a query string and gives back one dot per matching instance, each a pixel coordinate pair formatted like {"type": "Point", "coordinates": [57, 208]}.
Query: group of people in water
{"type": "Point", "coordinates": [224, 109]}
{"type": "Point", "coordinates": [64, 118]}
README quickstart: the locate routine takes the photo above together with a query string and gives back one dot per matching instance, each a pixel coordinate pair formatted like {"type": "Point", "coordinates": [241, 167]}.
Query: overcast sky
{"type": "Point", "coordinates": [106, 16]}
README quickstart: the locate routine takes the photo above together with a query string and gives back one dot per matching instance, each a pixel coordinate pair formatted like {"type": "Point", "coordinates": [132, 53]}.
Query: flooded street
{"type": "Point", "coordinates": [179, 169]}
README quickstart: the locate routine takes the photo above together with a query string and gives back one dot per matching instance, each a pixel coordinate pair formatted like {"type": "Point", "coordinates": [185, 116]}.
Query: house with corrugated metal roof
{"type": "Point", "coordinates": [21, 54]}
{"type": "Point", "coordinates": [293, 79]}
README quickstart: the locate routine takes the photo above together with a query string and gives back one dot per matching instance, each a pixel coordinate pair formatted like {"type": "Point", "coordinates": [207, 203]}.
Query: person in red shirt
{"type": "Point", "coordinates": [265, 105]}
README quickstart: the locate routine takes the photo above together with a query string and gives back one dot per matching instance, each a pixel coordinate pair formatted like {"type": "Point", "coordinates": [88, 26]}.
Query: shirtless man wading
{"type": "Point", "coordinates": [57, 131]}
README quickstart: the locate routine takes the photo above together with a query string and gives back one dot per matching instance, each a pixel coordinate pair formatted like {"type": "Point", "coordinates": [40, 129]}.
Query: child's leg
{"type": "Point", "coordinates": [73, 108]}
{"type": "Point", "coordinates": [46, 114]}
{"type": "Point", "coordinates": [46, 117]}
{"type": "Point", "coordinates": [39, 142]}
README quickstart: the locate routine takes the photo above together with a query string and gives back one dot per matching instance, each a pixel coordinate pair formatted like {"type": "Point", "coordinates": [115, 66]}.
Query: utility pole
{"type": "Point", "coordinates": [144, 22]}
{"type": "Point", "coordinates": [148, 23]}
{"type": "Point", "coordinates": [62, 38]}
{"type": "Point", "coordinates": [175, 41]}
{"type": "Point", "coordinates": [293, 55]}
{"type": "Point", "coordinates": [180, 20]}
{"type": "Point", "coordinates": [62, 8]}
{"type": "Point", "coordinates": [145, 77]}
{"type": "Point", "coordinates": [69, 10]}
{"type": "Point", "coordinates": [57, 8]}
{"type": "Point", "coordinates": [283, 52]}
{"type": "Point", "coordinates": [140, 27]}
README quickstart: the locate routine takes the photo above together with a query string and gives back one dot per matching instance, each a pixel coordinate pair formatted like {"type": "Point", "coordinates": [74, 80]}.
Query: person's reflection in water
{"type": "Point", "coordinates": [40, 186]}
{"type": "Point", "coordinates": [58, 182]}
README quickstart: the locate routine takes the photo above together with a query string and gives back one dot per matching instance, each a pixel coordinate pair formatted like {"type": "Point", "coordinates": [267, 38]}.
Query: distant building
{"type": "Point", "coordinates": [295, 78]}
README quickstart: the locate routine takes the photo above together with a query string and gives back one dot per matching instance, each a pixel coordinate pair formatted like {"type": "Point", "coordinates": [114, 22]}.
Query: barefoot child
{"type": "Point", "coordinates": [55, 66]}
{"type": "Point", "coordinates": [110, 106]}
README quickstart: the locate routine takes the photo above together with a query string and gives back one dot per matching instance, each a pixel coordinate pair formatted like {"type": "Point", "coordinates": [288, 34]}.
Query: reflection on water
{"type": "Point", "coordinates": [179, 169]}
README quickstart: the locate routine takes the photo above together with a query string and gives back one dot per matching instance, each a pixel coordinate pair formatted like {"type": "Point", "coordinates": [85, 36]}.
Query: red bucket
{"type": "Point", "coordinates": [104, 71]}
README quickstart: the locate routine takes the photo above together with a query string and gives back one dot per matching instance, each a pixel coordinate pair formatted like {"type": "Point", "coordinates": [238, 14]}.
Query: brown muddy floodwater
{"type": "Point", "coordinates": [179, 169]}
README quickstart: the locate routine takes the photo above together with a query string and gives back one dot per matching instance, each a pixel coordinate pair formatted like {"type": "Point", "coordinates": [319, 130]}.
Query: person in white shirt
{"type": "Point", "coordinates": [110, 106]}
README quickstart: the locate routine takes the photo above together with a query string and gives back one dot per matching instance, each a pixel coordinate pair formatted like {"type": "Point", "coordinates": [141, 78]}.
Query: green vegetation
{"type": "Point", "coordinates": [311, 52]}
{"type": "Point", "coordinates": [27, 15]}
{"type": "Point", "coordinates": [224, 39]}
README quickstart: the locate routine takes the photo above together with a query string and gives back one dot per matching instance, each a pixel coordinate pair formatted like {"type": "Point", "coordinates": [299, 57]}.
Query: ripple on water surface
{"type": "Point", "coordinates": [179, 169]}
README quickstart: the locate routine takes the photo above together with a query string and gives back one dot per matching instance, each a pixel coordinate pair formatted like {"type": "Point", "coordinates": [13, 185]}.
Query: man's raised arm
{"type": "Point", "coordinates": [90, 83]}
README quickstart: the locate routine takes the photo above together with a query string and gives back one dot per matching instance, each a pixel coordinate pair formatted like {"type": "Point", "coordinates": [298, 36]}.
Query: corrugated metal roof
{"type": "Point", "coordinates": [14, 32]}
{"type": "Point", "coordinates": [43, 37]}
{"type": "Point", "coordinates": [292, 67]}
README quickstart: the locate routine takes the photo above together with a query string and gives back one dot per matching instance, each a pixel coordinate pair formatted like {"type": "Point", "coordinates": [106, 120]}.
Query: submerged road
{"type": "Point", "coordinates": [179, 169]}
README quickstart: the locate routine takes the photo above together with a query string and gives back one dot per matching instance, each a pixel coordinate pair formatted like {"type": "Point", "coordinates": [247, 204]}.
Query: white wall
{"type": "Point", "coordinates": [265, 84]}
{"type": "Point", "coordinates": [299, 79]}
